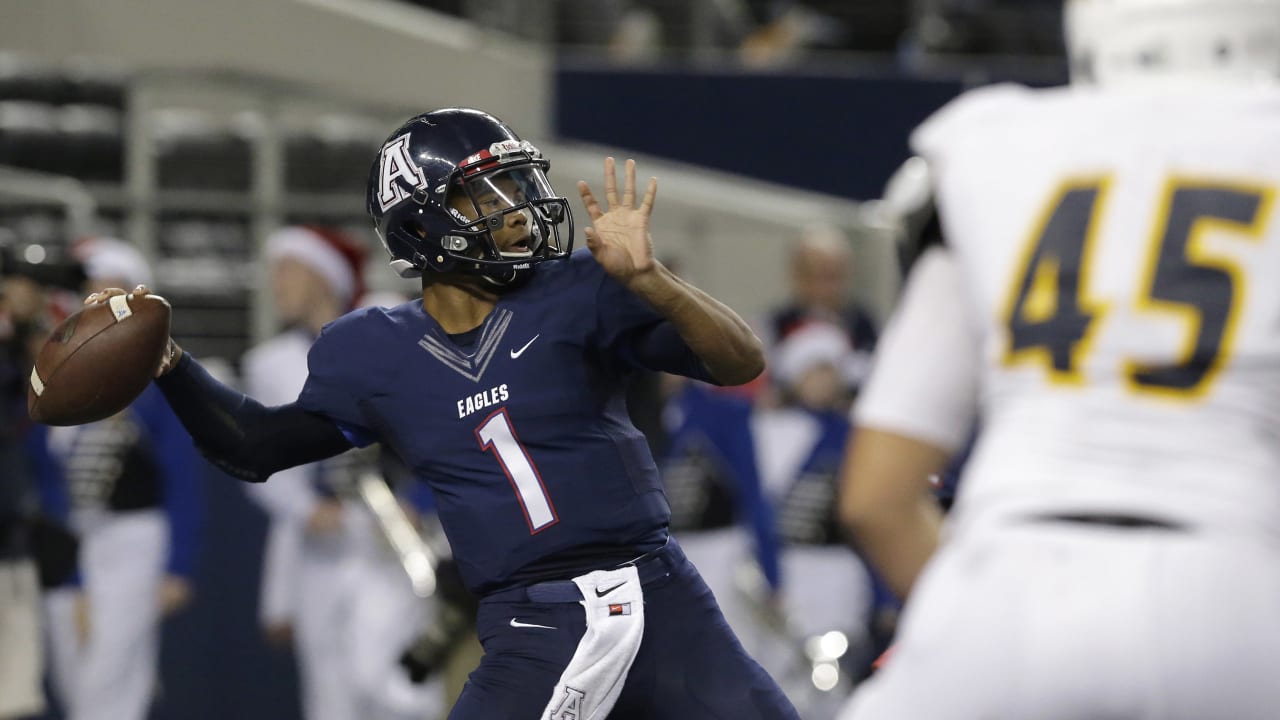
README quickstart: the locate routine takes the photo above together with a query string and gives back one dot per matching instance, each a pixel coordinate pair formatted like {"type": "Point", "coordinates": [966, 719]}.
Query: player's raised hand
{"type": "Point", "coordinates": [619, 236]}
{"type": "Point", "coordinates": [172, 351]}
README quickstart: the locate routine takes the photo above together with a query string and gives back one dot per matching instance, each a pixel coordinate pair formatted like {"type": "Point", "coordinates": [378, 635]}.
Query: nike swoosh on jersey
{"type": "Point", "coordinates": [517, 353]}
{"type": "Point", "coordinates": [602, 593]}
{"type": "Point", "coordinates": [517, 624]}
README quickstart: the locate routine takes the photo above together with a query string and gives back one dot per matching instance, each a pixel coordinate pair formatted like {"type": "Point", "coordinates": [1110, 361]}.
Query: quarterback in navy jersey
{"type": "Point", "coordinates": [520, 426]}
{"type": "Point", "coordinates": [502, 388]}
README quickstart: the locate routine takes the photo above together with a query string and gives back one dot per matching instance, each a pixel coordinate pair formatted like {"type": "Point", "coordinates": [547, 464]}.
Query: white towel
{"type": "Point", "coordinates": [591, 683]}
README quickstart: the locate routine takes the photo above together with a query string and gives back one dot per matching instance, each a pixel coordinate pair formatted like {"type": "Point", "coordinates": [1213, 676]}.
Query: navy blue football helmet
{"type": "Point", "coordinates": [445, 181]}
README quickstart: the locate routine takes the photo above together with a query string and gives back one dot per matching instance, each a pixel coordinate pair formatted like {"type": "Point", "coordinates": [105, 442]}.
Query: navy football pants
{"type": "Point", "coordinates": [690, 665]}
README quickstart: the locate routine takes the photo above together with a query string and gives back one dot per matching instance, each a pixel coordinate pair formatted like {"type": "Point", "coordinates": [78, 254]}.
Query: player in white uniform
{"type": "Point", "coordinates": [1109, 304]}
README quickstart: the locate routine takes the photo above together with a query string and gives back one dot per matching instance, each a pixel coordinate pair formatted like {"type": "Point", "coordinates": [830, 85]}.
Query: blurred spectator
{"type": "Point", "coordinates": [130, 486]}
{"type": "Point", "coordinates": [766, 33]}
{"type": "Point", "coordinates": [327, 585]}
{"type": "Point", "coordinates": [718, 509]}
{"type": "Point", "coordinates": [752, 491]}
{"type": "Point", "coordinates": [821, 285]}
{"type": "Point", "coordinates": [1000, 27]}
{"type": "Point", "coordinates": [815, 368]}
{"type": "Point", "coordinates": [781, 29]}
{"type": "Point", "coordinates": [387, 612]}
{"type": "Point", "coordinates": [21, 304]}
{"type": "Point", "coordinates": [800, 444]}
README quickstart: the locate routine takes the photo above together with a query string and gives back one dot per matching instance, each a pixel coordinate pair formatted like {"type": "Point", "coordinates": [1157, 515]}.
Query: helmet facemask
{"type": "Point", "coordinates": [505, 221]}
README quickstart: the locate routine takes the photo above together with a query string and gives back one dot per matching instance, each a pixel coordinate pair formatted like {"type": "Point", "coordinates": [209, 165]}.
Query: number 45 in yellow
{"type": "Point", "coordinates": [1051, 318]}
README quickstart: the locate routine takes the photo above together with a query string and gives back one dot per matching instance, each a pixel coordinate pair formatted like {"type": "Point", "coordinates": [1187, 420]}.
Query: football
{"type": "Point", "coordinates": [98, 360]}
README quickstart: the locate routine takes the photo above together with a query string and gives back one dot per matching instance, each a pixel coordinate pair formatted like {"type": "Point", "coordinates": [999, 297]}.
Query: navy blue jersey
{"type": "Point", "coordinates": [520, 428]}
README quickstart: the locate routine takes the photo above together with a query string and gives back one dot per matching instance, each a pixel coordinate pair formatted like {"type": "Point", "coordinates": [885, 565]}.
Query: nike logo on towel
{"type": "Point", "coordinates": [517, 353]}
{"type": "Point", "coordinates": [517, 624]}
{"type": "Point", "coordinates": [602, 593]}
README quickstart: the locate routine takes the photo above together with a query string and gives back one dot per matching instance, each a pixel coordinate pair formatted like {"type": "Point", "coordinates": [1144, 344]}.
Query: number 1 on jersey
{"type": "Point", "coordinates": [496, 434]}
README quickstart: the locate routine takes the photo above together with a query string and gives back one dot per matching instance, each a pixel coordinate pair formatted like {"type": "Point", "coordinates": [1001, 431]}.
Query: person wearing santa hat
{"type": "Point", "coordinates": [752, 487]}
{"type": "Point", "coordinates": [130, 486]}
{"type": "Point", "coordinates": [322, 546]}
{"type": "Point", "coordinates": [799, 445]}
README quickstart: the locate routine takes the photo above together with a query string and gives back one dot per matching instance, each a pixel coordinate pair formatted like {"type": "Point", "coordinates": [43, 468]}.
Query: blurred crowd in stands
{"type": "Point", "coordinates": [770, 32]}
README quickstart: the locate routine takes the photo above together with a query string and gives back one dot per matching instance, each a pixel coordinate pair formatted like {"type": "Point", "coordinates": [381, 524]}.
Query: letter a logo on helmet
{"type": "Point", "coordinates": [398, 174]}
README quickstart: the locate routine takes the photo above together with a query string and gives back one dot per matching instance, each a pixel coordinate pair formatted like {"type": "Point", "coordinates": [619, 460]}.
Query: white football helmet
{"type": "Point", "coordinates": [1173, 42]}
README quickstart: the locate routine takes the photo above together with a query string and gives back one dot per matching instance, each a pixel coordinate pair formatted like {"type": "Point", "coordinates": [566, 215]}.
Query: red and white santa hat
{"type": "Point", "coordinates": [330, 253]}
{"type": "Point", "coordinates": [813, 344]}
{"type": "Point", "coordinates": [108, 258]}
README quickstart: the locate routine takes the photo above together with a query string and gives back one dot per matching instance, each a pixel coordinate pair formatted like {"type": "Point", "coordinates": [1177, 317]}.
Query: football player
{"type": "Point", "coordinates": [1107, 302]}
{"type": "Point", "coordinates": [502, 387]}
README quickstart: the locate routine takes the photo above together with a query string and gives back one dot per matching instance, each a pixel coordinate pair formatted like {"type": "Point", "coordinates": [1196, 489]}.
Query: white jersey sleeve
{"type": "Point", "coordinates": [924, 383]}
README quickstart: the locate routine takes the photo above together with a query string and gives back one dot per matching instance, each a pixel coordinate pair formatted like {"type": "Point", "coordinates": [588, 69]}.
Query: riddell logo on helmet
{"type": "Point", "coordinates": [488, 159]}
{"type": "Point", "coordinates": [512, 147]}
